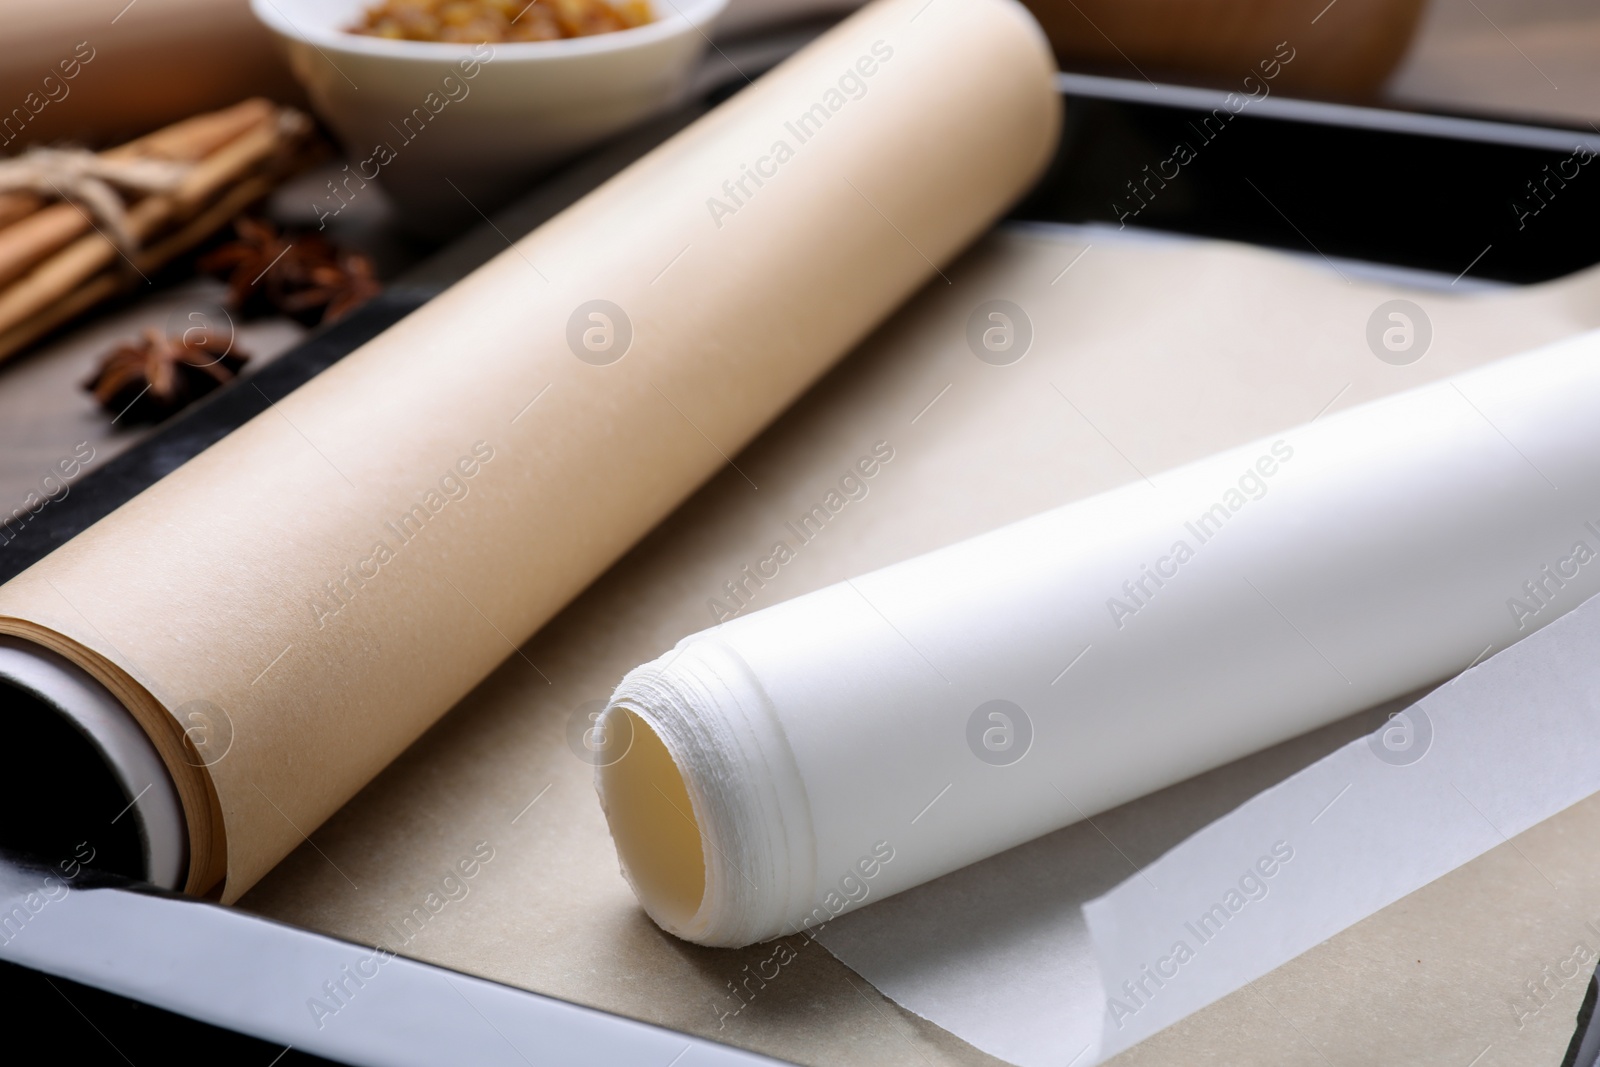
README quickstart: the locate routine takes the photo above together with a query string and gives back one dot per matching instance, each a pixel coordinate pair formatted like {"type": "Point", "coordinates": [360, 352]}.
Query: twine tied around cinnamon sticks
{"type": "Point", "coordinates": [81, 177]}
{"type": "Point", "coordinates": [184, 182]}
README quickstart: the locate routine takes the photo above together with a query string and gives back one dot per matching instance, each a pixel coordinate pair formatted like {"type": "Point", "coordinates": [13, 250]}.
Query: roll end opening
{"type": "Point", "coordinates": [80, 783]}
{"type": "Point", "coordinates": [654, 825]}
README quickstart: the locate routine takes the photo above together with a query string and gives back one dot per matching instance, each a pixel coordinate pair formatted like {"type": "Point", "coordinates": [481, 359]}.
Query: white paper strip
{"type": "Point", "coordinates": [1481, 759]}
{"type": "Point", "coordinates": [1502, 747]}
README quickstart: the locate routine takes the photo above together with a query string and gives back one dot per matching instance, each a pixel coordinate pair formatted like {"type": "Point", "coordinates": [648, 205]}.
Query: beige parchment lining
{"type": "Point", "coordinates": [533, 470]}
{"type": "Point", "coordinates": [1146, 354]}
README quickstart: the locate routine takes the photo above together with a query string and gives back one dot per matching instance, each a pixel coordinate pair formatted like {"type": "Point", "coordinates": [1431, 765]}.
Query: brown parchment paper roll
{"type": "Point", "coordinates": [311, 593]}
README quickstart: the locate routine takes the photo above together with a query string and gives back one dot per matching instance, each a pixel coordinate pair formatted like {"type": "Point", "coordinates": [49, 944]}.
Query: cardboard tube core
{"type": "Point", "coordinates": [653, 822]}
{"type": "Point", "coordinates": [96, 792]}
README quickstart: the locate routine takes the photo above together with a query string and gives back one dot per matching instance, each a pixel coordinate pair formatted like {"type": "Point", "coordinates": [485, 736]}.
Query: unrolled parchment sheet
{"type": "Point", "coordinates": [291, 609]}
{"type": "Point", "coordinates": [1169, 350]}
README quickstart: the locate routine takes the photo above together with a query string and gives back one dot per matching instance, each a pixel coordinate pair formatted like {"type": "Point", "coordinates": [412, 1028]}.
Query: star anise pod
{"type": "Point", "coordinates": [154, 377]}
{"type": "Point", "coordinates": [303, 276]}
{"type": "Point", "coordinates": [244, 263]}
{"type": "Point", "coordinates": [336, 288]}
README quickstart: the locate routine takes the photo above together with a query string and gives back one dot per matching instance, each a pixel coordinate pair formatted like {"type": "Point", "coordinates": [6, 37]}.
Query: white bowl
{"type": "Point", "coordinates": [449, 128]}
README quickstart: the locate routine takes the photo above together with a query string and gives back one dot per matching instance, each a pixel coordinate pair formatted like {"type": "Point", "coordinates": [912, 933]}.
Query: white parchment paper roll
{"type": "Point", "coordinates": [875, 734]}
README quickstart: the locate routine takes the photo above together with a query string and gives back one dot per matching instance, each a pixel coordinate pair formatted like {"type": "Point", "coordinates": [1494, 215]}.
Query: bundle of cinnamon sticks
{"type": "Point", "coordinates": [57, 259]}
